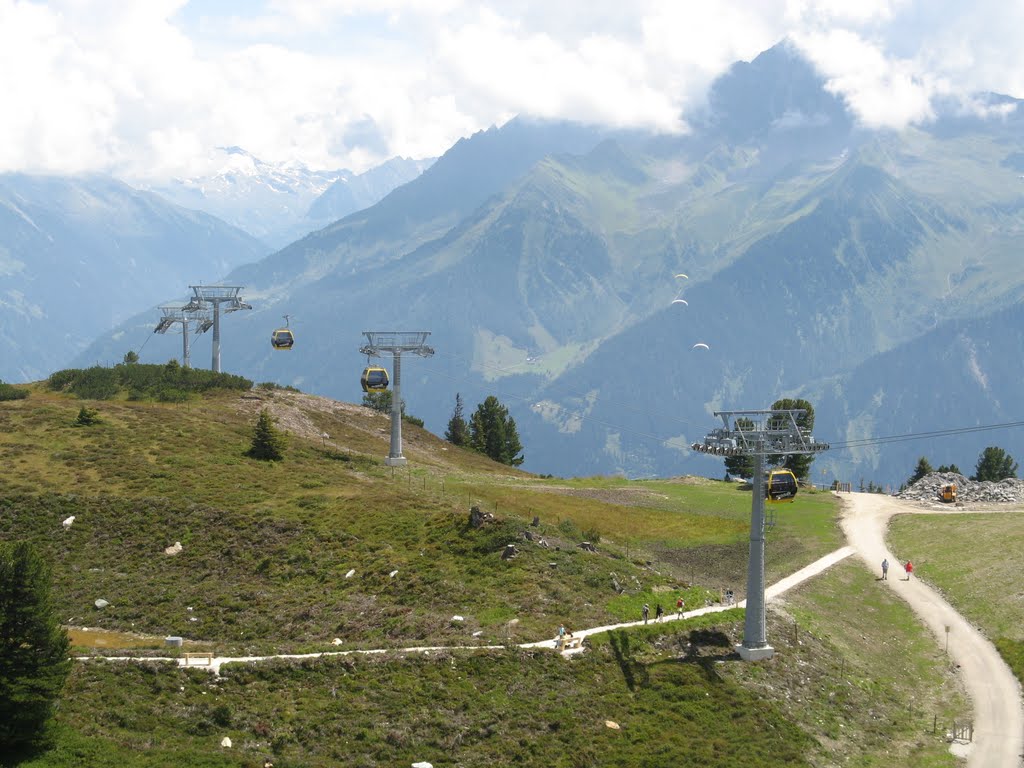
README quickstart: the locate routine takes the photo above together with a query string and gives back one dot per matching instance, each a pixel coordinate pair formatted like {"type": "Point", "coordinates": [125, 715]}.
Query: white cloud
{"type": "Point", "coordinates": [148, 89]}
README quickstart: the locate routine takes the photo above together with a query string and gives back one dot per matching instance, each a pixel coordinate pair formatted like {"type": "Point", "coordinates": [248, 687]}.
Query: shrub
{"type": "Point", "coordinates": [87, 417]}
{"type": "Point", "coordinates": [163, 382]}
{"type": "Point", "coordinates": [7, 392]}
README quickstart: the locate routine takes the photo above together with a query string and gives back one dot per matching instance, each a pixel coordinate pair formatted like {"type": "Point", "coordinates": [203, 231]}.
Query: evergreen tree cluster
{"type": "Point", "coordinates": [993, 464]}
{"type": "Point", "coordinates": [490, 430]}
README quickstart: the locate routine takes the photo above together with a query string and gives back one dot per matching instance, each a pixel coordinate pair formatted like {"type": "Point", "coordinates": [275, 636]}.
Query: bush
{"type": "Point", "coordinates": [167, 382]}
{"type": "Point", "coordinates": [7, 392]}
{"type": "Point", "coordinates": [87, 417]}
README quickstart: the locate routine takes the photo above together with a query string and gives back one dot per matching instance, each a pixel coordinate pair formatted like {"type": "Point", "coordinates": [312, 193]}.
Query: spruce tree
{"type": "Point", "coordinates": [458, 430]}
{"type": "Point", "coordinates": [268, 442]}
{"type": "Point", "coordinates": [797, 463]}
{"type": "Point", "coordinates": [493, 432]}
{"type": "Point", "coordinates": [924, 467]}
{"type": "Point", "coordinates": [34, 661]}
{"type": "Point", "coordinates": [994, 464]}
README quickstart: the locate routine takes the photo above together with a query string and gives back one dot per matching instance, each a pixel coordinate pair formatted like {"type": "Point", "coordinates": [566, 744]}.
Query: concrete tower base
{"type": "Point", "coordinates": [755, 654]}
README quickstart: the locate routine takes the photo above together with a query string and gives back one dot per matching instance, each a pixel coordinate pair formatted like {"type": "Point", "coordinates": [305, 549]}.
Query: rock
{"type": "Point", "coordinates": [478, 517]}
{"type": "Point", "coordinates": [528, 535]}
{"type": "Point", "coordinates": [588, 546]}
{"type": "Point", "coordinates": [173, 549]}
{"type": "Point", "coordinates": [510, 552]}
{"type": "Point", "coordinates": [101, 603]}
{"type": "Point", "coordinates": [1008, 491]}
{"type": "Point", "coordinates": [458, 618]}
{"type": "Point", "coordinates": [478, 633]}
{"type": "Point", "coordinates": [612, 724]}
{"type": "Point", "coordinates": [68, 521]}
{"type": "Point", "coordinates": [173, 641]}
{"type": "Point", "coordinates": [337, 641]}
{"type": "Point", "coordinates": [422, 765]}
{"type": "Point", "coordinates": [350, 574]}
{"type": "Point", "coordinates": [226, 742]}
{"type": "Point", "coordinates": [393, 573]}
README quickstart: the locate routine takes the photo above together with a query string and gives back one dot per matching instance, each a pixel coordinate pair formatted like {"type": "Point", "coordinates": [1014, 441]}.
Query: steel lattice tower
{"type": "Point", "coordinates": [213, 296]}
{"type": "Point", "coordinates": [396, 342]}
{"type": "Point", "coordinates": [177, 314]}
{"type": "Point", "coordinates": [758, 434]}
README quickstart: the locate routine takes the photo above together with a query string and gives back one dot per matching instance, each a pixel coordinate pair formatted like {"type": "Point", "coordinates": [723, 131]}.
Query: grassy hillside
{"type": "Point", "coordinates": [259, 537]}
{"type": "Point", "coordinates": [267, 552]}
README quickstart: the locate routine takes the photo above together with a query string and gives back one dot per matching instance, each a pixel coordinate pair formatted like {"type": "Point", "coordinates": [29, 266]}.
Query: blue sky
{"type": "Point", "coordinates": [147, 90]}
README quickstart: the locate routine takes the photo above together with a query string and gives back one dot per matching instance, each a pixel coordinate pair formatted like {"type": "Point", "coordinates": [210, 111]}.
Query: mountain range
{"type": "Point", "coordinates": [875, 273]}
{"type": "Point", "coordinates": [78, 256]}
{"type": "Point", "coordinates": [280, 202]}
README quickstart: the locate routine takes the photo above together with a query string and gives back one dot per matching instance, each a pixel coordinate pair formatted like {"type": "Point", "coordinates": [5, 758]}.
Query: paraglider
{"type": "Point", "coordinates": [685, 277]}
{"type": "Point", "coordinates": [681, 301]}
{"type": "Point", "coordinates": [701, 345]}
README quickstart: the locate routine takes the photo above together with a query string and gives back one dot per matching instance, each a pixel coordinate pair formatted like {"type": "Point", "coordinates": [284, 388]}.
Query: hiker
{"type": "Point", "coordinates": [910, 569]}
{"type": "Point", "coordinates": [885, 569]}
{"type": "Point", "coordinates": [561, 635]}
{"type": "Point", "coordinates": [646, 611]}
{"type": "Point", "coordinates": [658, 612]}
{"type": "Point", "coordinates": [680, 607]}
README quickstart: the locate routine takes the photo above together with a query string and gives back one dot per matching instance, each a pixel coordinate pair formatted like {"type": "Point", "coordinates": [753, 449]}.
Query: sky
{"type": "Point", "coordinates": [148, 90]}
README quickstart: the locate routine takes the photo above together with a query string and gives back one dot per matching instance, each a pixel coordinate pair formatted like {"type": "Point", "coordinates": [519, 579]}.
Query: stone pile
{"type": "Point", "coordinates": [1007, 491]}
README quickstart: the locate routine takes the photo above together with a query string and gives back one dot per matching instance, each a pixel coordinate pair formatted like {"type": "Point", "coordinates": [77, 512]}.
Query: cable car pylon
{"type": "Point", "coordinates": [395, 342]}
{"type": "Point", "coordinates": [758, 434]}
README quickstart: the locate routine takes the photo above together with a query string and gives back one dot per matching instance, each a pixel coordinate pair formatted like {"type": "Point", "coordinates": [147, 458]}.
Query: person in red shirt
{"type": "Point", "coordinates": [910, 569]}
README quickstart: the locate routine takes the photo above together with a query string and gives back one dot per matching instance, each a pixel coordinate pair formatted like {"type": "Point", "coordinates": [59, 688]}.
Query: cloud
{"type": "Point", "coordinates": [149, 89]}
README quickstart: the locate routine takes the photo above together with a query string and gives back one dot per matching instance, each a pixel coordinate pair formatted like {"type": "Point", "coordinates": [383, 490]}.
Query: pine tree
{"type": "Point", "coordinates": [34, 661]}
{"type": "Point", "coordinates": [742, 465]}
{"type": "Point", "coordinates": [458, 430]}
{"type": "Point", "coordinates": [797, 463]}
{"type": "Point", "coordinates": [994, 464]}
{"type": "Point", "coordinates": [493, 432]}
{"type": "Point", "coordinates": [268, 442]}
{"type": "Point", "coordinates": [924, 467]}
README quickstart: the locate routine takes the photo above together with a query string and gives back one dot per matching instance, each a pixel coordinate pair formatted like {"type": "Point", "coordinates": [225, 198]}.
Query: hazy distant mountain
{"type": "Point", "coordinates": [80, 255]}
{"type": "Point", "coordinates": [354, 192]}
{"type": "Point", "coordinates": [542, 258]}
{"type": "Point", "coordinates": [279, 203]}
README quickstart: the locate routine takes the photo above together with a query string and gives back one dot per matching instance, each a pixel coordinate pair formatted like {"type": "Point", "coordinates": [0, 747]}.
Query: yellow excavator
{"type": "Point", "coordinates": [948, 492]}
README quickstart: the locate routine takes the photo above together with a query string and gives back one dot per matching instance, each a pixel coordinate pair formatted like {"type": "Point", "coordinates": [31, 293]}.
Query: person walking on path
{"type": "Point", "coordinates": [680, 606]}
{"type": "Point", "coordinates": [646, 611]}
{"type": "Point", "coordinates": [658, 612]}
{"type": "Point", "coordinates": [885, 569]}
{"type": "Point", "coordinates": [910, 569]}
{"type": "Point", "coordinates": [561, 635]}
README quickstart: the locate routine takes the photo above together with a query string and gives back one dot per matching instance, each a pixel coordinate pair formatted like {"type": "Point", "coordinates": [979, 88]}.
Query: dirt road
{"type": "Point", "coordinates": [995, 692]}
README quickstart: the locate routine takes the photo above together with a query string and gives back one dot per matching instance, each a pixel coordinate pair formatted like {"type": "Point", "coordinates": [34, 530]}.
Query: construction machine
{"type": "Point", "coordinates": [948, 492]}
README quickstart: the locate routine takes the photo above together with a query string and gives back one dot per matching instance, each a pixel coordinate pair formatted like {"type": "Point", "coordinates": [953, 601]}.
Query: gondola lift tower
{"type": "Point", "coordinates": [758, 434]}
